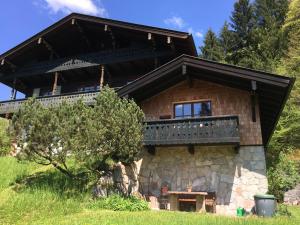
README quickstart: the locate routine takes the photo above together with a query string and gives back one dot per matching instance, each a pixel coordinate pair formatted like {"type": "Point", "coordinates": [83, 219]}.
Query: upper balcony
{"type": "Point", "coordinates": [12, 106]}
{"type": "Point", "coordinates": [193, 131]}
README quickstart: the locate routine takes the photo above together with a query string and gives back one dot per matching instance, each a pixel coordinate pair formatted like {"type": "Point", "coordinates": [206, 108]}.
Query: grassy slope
{"type": "Point", "coordinates": [49, 198]}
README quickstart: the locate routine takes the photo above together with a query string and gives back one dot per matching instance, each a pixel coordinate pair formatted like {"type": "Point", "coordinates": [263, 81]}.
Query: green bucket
{"type": "Point", "coordinates": [240, 211]}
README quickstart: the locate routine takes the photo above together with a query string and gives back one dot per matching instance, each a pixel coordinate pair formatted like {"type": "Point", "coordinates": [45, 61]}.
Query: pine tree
{"type": "Point", "coordinates": [226, 41]}
{"type": "Point", "coordinates": [242, 23]}
{"type": "Point", "coordinates": [268, 39]}
{"type": "Point", "coordinates": [211, 49]}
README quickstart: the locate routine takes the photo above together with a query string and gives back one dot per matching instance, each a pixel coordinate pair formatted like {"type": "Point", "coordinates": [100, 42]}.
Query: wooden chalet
{"type": "Point", "coordinates": [207, 123]}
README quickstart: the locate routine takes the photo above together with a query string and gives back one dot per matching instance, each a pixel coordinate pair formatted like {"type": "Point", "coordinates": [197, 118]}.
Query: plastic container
{"type": "Point", "coordinates": [240, 211]}
{"type": "Point", "coordinates": [265, 205]}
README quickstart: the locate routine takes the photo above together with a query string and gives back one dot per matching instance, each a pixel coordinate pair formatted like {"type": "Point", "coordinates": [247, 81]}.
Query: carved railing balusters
{"type": "Point", "coordinates": [13, 106]}
{"type": "Point", "coordinates": [208, 130]}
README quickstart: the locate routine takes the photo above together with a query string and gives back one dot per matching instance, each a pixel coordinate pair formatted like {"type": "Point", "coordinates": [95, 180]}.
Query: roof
{"type": "Point", "coordinates": [273, 90]}
{"type": "Point", "coordinates": [61, 24]}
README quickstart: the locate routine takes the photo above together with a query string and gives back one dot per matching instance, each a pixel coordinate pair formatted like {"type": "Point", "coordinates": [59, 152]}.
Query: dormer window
{"type": "Point", "coordinates": [192, 109]}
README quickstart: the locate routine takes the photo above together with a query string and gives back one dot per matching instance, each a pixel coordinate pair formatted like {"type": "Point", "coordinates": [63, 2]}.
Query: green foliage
{"type": "Point", "coordinates": [291, 61]}
{"type": "Point", "coordinates": [282, 175]}
{"type": "Point", "coordinates": [98, 136]}
{"type": "Point", "coordinates": [282, 210]}
{"type": "Point", "coordinates": [41, 201]}
{"type": "Point", "coordinates": [211, 49]}
{"type": "Point", "coordinates": [5, 142]}
{"type": "Point", "coordinates": [265, 34]}
{"type": "Point", "coordinates": [112, 132]}
{"type": "Point", "coordinates": [42, 133]}
{"type": "Point", "coordinates": [118, 203]}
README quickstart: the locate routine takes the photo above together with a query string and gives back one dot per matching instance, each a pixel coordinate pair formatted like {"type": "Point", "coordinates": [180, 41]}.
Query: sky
{"type": "Point", "coordinates": [21, 19]}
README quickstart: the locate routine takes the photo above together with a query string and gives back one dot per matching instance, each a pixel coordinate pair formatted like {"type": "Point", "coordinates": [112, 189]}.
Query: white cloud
{"type": "Point", "coordinates": [199, 34]}
{"type": "Point", "coordinates": [175, 21]}
{"type": "Point", "coordinates": [68, 6]}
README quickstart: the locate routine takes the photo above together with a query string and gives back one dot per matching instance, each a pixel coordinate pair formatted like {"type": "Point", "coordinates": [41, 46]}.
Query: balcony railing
{"type": "Point", "coordinates": [207, 130]}
{"type": "Point", "coordinates": [14, 105]}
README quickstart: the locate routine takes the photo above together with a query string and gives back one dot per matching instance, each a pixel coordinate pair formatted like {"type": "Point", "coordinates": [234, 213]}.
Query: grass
{"type": "Point", "coordinates": [31, 194]}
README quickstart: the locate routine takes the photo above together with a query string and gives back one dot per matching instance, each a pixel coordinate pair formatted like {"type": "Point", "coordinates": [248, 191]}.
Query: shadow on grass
{"type": "Point", "coordinates": [55, 182]}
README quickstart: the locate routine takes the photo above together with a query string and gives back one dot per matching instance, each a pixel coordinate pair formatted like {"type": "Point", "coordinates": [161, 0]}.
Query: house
{"type": "Point", "coordinates": [208, 124]}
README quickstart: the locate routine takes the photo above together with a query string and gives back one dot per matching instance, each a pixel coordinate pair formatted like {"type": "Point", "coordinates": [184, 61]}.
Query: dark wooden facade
{"type": "Point", "coordinates": [79, 54]}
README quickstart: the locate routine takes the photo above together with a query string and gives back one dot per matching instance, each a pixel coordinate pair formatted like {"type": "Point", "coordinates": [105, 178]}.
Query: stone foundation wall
{"type": "Point", "coordinates": [293, 196]}
{"type": "Point", "coordinates": [235, 177]}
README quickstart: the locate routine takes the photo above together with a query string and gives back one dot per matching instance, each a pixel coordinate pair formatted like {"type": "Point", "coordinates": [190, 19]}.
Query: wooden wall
{"type": "Point", "coordinates": [224, 100]}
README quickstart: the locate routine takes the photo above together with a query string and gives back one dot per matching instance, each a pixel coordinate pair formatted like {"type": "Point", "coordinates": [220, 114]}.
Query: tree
{"type": "Point", "coordinates": [226, 40]}
{"type": "Point", "coordinates": [42, 133]}
{"type": "Point", "coordinates": [292, 28]}
{"type": "Point", "coordinates": [112, 133]}
{"type": "Point", "coordinates": [286, 138]}
{"type": "Point", "coordinates": [242, 23]}
{"type": "Point", "coordinates": [211, 49]}
{"type": "Point", "coordinates": [268, 39]}
{"type": "Point", "coordinates": [96, 137]}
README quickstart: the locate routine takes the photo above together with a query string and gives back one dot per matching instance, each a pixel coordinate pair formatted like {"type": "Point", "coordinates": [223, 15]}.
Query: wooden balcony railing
{"type": "Point", "coordinates": [207, 130]}
{"type": "Point", "coordinates": [14, 105]}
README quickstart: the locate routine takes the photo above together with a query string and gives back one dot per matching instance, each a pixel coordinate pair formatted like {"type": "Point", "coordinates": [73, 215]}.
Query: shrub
{"type": "Point", "coordinates": [118, 203]}
{"type": "Point", "coordinates": [283, 175]}
{"type": "Point", "coordinates": [4, 137]}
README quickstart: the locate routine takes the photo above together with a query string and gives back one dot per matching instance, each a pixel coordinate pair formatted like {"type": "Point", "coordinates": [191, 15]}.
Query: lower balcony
{"type": "Point", "coordinates": [193, 131]}
{"type": "Point", "coordinates": [13, 106]}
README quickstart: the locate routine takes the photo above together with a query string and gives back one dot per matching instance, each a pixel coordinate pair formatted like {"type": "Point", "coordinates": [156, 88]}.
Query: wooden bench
{"type": "Point", "coordinates": [182, 196]}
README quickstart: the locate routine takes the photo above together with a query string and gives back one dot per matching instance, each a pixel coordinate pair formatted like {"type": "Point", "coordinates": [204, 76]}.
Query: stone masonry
{"type": "Point", "coordinates": [235, 177]}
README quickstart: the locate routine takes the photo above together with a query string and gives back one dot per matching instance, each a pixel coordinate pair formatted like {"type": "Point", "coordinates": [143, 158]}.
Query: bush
{"type": "Point", "coordinates": [283, 175]}
{"type": "Point", "coordinates": [118, 203]}
{"type": "Point", "coordinates": [4, 137]}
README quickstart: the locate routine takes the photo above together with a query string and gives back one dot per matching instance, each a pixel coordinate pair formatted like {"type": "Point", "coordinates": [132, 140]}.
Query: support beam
{"type": "Point", "coordinates": [82, 33]}
{"type": "Point", "coordinates": [49, 47]}
{"type": "Point", "coordinates": [169, 40]}
{"type": "Point", "coordinates": [102, 77]}
{"type": "Point", "coordinates": [253, 100]}
{"type": "Point", "coordinates": [6, 61]}
{"type": "Point", "coordinates": [113, 39]}
{"type": "Point", "coordinates": [13, 90]}
{"type": "Point", "coordinates": [55, 83]}
{"type": "Point", "coordinates": [88, 60]}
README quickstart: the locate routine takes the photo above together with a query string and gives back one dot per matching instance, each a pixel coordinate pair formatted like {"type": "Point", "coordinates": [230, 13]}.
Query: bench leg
{"type": "Point", "coordinates": [200, 204]}
{"type": "Point", "coordinates": [174, 205]}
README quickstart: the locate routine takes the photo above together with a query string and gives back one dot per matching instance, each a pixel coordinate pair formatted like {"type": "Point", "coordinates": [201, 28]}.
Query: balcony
{"type": "Point", "coordinates": [193, 131]}
{"type": "Point", "coordinates": [54, 100]}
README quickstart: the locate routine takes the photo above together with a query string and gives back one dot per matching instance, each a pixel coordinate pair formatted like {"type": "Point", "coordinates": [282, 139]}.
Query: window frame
{"type": "Point", "coordinates": [192, 108]}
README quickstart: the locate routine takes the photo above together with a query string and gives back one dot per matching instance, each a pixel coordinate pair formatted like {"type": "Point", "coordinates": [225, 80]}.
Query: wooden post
{"type": "Point", "coordinates": [102, 77]}
{"type": "Point", "coordinates": [13, 90]}
{"type": "Point", "coordinates": [200, 203]}
{"type": "Point", "coordinates": [55, 83]}
{"type": "Point", "coordinates": [174, 205]}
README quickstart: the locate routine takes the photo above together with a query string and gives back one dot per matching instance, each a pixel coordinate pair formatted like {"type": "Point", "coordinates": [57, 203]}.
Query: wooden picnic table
{"type": "Point", "coordinates": [184, 196]}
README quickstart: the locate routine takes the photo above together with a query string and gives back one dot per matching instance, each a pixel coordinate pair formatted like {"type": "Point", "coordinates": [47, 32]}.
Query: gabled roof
{"type": "Point", "coordinates": [66, 21]}
{"type": "Point", "coordinates": [273, 90]}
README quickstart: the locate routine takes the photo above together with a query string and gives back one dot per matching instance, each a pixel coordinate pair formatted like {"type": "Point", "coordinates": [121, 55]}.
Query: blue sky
{"type": "Point", "coordinates": [20, 19]}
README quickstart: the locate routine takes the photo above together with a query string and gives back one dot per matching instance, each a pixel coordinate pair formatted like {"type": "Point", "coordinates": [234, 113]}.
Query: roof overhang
{"type": "Point", "coordinates": [272, 90]}
{"type": "Point", "coordinates": [92, 23]}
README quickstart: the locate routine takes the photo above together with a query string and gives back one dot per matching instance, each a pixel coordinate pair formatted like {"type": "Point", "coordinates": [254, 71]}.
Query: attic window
{"type": "Point", "coordinates": [192, 109]}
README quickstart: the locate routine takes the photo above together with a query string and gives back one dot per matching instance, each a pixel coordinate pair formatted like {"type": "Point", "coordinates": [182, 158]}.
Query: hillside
{"type": "Point", "coordinates": [31, 194]}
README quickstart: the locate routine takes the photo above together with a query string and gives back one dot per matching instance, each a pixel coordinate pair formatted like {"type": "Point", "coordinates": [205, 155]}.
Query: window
{"type": "Point", "coordinates": [193, 109]}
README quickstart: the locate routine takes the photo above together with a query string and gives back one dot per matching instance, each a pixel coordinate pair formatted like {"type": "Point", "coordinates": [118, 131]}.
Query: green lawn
{"type": "Point", "coordinates": [31, 194]}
